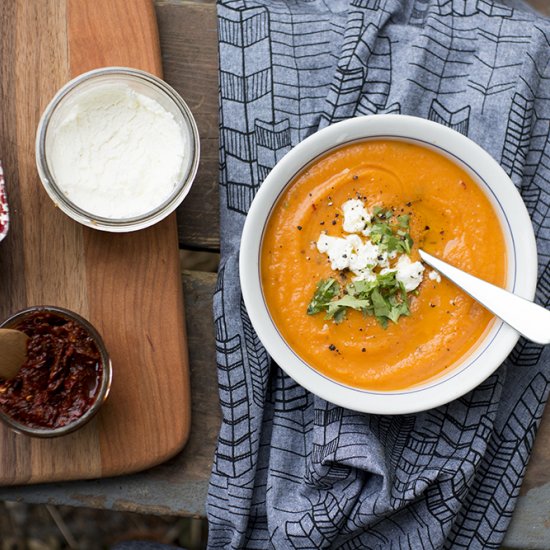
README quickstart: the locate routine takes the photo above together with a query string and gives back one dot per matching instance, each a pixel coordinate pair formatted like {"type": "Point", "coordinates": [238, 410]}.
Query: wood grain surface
{"type": "Point", "coordinates": [189, 45]}
{"type": "Point", "coordinates": [179, 486]}
{"type": "Point", "coordinates": [127, 285]}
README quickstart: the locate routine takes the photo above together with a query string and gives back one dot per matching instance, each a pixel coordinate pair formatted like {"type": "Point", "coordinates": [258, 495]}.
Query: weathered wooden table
{"type": "Point", "coordinates": [179, 486]}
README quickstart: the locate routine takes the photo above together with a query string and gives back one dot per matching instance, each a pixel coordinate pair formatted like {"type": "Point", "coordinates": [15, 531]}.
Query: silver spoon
{"type": "Point", "coordinates": [528, 318]}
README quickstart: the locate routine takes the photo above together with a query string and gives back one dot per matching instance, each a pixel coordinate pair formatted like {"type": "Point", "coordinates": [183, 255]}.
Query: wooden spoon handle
{"type": "Point", "coordinates": [13, 351]}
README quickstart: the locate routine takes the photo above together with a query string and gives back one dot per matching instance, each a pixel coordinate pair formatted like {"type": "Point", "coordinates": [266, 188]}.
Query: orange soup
{"type": "Point", "coordinates": [425, 200]}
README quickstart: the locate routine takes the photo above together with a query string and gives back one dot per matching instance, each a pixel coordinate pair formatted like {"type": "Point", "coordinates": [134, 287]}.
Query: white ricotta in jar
{"type": "Point", "coordinates": [117, 153]}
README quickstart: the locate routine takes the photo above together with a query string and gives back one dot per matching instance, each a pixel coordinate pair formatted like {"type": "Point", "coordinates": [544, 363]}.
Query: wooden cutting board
{"type": "Point", "coordinates": [127, 285]}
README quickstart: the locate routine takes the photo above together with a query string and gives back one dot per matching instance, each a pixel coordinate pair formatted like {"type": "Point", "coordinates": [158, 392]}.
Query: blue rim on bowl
{"type": "Point", "coordinates": [498, 341]}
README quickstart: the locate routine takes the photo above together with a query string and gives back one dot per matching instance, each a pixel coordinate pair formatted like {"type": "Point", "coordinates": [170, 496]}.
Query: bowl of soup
{"type": "Point", "coordinates": [331, 275]}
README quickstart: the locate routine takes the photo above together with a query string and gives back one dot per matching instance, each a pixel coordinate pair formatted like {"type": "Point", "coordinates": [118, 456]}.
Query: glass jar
{"type": "Point", "coordinates": [103, 382]}
{"type": "Point", "coordinates": [141, 83]}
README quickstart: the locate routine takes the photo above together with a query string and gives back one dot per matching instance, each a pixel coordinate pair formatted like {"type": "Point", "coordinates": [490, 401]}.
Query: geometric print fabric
{"type": "Point", "coordinates": [291, 470]}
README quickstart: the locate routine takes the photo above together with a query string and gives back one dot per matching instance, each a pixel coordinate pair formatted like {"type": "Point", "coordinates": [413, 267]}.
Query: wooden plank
{"type": "Point", "coordinates": [179, 486]}
{"type": "Point", "coordinates": [96, 40]}
{"type": "Point", "coordinates": [540, 5]}
{"type": "Point", "coordinates": [129, 286]}
{"type": "Point", "coordinates": [189, 44]}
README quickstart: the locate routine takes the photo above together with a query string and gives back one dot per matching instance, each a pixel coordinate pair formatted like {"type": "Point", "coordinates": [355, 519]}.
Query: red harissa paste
{"type": "Point", "coordinates": [61, 377]}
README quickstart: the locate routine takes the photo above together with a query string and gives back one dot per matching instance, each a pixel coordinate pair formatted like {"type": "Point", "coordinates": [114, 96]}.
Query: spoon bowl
{"type": "Point", "coordinates": [13, 352]}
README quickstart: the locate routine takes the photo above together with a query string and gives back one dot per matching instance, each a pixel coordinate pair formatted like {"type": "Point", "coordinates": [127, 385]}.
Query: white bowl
{"type": "Point", "coordinates": [518, 233]}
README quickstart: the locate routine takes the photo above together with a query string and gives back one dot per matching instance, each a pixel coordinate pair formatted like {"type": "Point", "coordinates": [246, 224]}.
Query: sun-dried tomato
{"type": "Point", "coordinates": [61, 377]}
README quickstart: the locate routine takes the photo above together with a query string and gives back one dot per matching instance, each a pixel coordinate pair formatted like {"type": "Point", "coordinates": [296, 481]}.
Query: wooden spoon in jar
{"type": "Point", "coordinates": [13, 352]}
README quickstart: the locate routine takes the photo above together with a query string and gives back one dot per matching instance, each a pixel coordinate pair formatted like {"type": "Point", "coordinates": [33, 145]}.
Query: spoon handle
{"type": "Point", "coordinates": [528, 318]}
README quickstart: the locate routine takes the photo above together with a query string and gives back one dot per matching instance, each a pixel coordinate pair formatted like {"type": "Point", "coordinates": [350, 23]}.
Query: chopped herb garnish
{"type": "Point", "coordinates": [403, 220]}
{"type": "Point", "coordinates": [389, 237]}
{"type": "Point", "coordinates": [376, 293]}
{"type": "Point", "coordinates": [326, 290]}
{"type": "Point", "coordinates": [385, 298]}
{"type": "Point", "coordinates": [336, 309]}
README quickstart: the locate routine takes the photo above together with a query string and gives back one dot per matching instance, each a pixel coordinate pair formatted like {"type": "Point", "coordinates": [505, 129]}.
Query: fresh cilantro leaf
{"type": "Point", "coordinates": [361, 289]}
{"type": "Point", "coordinates": [339, 315]}
{"type": "Point", "coordinates": [326, 290]}
{"type": "Point", "coordinates": [375, 238]}
{"type": "Point", "coordinates": [387, 280]}
{"type": "Point", "coordinates": [382, 228]}
{"type": "Point", "coordinates": [403, 221]}
{"type": "Point", "coordinates": [391, 244]}
{"type": "Point", "coordinates": [381, 307]}
{"type": "Point", "coordinates": [408, 243]}
{"type": "Point", "coordinates": [346, 301]}
{"type": "Point", "coordinates": [387, 305]}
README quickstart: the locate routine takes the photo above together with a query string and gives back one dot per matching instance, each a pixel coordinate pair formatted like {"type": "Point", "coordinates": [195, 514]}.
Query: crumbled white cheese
{"type": "Point", "coordinates": [337, 249]}
{"type": "Point", "coordinates": [434, 276]}
{"type": "Point", "coordinates": [367, 257]}
{"type": "Point", "coordinates": [117, 153]}
{"type": "Point", "coordinates": [356, 216]}
{"type": "Point", "coordinates": [409, 273]}
{"type": "Point", "coordinates": [350, 252]}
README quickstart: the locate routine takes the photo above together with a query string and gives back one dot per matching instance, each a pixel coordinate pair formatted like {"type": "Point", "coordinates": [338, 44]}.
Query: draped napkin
{"type": "Point", "coordinates": [291, 470]}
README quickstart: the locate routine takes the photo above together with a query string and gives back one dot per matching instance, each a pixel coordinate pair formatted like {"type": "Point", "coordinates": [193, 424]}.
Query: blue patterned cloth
{"type": "Point", "coordinates": [291, 470]}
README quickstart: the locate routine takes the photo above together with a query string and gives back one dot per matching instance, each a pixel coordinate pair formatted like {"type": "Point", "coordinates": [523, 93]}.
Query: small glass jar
{"type": "Point", "coordinates": [141, 83]}
{"type": "Point", "coordinates": [103, 384]}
